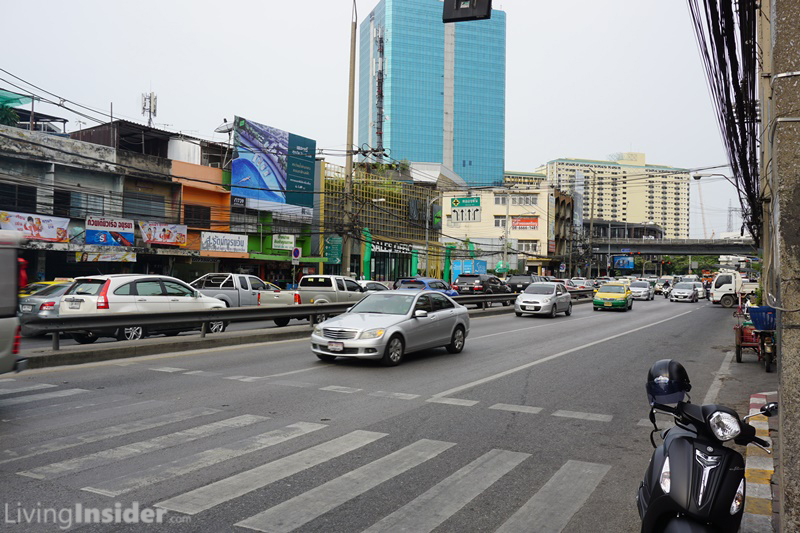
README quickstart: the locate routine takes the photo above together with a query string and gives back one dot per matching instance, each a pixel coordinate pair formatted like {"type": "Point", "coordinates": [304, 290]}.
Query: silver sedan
{"type": "Point", "coordinates": [388, 324]}
{"type": "Point", "coordinates": [544, 298]}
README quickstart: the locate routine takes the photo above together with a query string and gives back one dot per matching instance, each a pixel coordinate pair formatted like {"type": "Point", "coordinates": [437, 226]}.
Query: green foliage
{"type": "Point", "coordinates": [8, 117]}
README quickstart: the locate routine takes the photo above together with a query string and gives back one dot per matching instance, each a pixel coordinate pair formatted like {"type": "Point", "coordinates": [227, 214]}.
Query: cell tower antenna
{"type": "Point", "coordinates": [149, 107]}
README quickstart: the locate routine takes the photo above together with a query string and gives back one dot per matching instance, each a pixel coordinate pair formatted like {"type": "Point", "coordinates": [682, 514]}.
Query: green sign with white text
{"type": "Point", "coordinates": [469, 201]}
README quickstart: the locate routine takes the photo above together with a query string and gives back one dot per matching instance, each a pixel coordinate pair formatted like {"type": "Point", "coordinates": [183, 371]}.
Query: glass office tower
{"type": "Point", "coordinates": [434, 92]}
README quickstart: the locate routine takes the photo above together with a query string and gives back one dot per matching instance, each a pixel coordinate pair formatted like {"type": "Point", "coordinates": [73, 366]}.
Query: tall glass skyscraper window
{"type": "Point", "coordinates": [440, 88]}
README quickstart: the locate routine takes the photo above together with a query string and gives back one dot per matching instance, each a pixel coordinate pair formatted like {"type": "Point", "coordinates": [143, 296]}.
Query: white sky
{"type": "Point", "coordinates": [584, 78]}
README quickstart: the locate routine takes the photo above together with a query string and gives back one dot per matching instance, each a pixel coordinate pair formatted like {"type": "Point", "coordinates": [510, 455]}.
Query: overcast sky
{"type": "Point", "coordinates": [584, 78]}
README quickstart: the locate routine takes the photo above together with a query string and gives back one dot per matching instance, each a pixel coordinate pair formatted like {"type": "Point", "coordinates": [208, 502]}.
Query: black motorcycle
{"type": "Point", "coordinates": [693, 483]}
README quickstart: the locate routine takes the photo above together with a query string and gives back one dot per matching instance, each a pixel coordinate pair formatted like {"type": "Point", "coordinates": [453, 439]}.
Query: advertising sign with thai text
{"type": "Point", "coordinates": [531, 223]}
{"type": "Point", "coordinates": [282, 242]}
{"type": "Point", "coordinates": [109, 257]}
{"type": "Point", "coordinates": [157, 233]}
{"type": "Point", "coordinates": [36, 227]}
{"type": "Point", "coordinates": [223, 242]}
{"type": "Point", "coordinates": [109, 231]}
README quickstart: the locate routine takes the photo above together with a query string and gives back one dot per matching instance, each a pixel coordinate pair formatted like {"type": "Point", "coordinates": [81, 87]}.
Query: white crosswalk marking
{"type": "Point", "coordinates": [584, 416]}
{"type": "Point", "coordinates": [227, 489]}
{"type": "Point", "coordinates": [516, 408]}
{"type": "Point", "coordinates": [25, 388]}
{"type": "Point", "coordinates": [77, 415]}
{"type": "Point", "coordinates": [551, 509]}
{"type": "Point", "coordinates": [43, 396]}
{"type": "Point", "coordinates": [396, 395]}
{"type": "Point", "coordinates": [198, 461]}
{"type": "Point", "coordinates": [441, 502]}
{"type": "Point", "coordinates": [168, 369]}
{"type": "Point", "coordinates": [70, 441]}
{"type": "Point", "coordinates": [453, 401]}
{"type": "Point", "coordinates": [77, 464]}
{"type": "Point", "coordinates": [336, 388]}
{"type": "Point", "coordinates": [301, 509]}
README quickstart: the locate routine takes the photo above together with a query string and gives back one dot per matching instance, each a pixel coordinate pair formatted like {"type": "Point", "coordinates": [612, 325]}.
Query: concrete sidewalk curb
{"type": "Point", "coordinates": [758, 471]}
{"type": "Point", "coordinates": [75, 355]}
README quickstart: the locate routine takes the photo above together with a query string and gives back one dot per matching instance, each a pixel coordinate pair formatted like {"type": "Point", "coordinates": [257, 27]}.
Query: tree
{"type": "Point", "coordinates": [8, 117]}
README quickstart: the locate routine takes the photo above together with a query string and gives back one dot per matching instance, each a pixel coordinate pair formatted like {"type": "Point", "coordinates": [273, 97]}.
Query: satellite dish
{"type": "Point", "coordinates": [225, 127]}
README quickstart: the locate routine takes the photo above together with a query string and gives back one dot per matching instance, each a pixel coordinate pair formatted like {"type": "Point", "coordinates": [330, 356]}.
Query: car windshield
{"type": "Point", "coordinates": [385, 304]}
{"type": "Point", "coordinates": [642, 284]}
{"type": "Point", "coordinates": [468, 279]}
{"type": "Point", "coordinates": [87, 287]}
{"type": "Point", "coordinates": [53, 290]}
{"type": "Point", "coordinates": [685, 286]}
{"type": "Point", "coordinates": [536, 288]}
{"type": "Point", "coordinates": [613, 288]}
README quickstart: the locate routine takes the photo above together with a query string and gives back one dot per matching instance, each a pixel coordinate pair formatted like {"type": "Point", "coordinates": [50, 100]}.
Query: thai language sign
{"type": "Point", "coordinates": [109, 231]}
{"type": "Point", "coordinates": [273, 169]}
{"type": "Point", "coordinates": [157, 233]}
{"type": "Point", "coordinates": [99, 257]}
{"type": "Point", "coordinates": [36, 227]}
{"type": "Point", "coordinates": [282, 242]}
{"type": "Point", "coordinates": [223, 242]}
{"type": "Point", "coordinates": [531, 223]}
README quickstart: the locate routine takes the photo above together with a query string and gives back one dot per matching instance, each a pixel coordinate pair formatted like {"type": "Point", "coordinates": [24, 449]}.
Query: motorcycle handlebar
{"type": "Point", "coordinates": [761, 442]}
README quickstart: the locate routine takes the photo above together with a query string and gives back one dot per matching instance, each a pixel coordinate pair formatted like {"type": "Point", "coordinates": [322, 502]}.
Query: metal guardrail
{"type": "Point", "coordinates": [68, 324]}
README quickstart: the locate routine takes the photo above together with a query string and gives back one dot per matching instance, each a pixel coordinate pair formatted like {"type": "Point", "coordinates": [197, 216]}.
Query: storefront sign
{"type": "Point", "coordinates": [36, 227]}
{"type": "Point", "coordinates": [282, 242]}
{"type": "Point", "coordinates": [157, 233]}
{"type": "Point", "coordinates": [391, 247]}
{"type": "Point", "coordinates": [99, 257]}
{"type": "Point", "coordinates": [109, 231]}
{"type": "Point", "coordinates": [531, 223]}
{"type": "Point", "coordinates": [223, 242]}
{"type": "Point", "coordinates": [237, 201]}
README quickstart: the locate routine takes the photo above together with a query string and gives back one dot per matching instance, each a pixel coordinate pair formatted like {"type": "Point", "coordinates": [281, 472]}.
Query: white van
{"type": "Point", "coordinates": [9, 325]}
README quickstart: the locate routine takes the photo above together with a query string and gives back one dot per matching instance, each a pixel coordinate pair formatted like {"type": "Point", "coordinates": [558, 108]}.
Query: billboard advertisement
{"type": "Point", "coordinates": [623, 262]}
{"type": "Point", "coordinates": [110, 257]}
{"type": "Point", "coordinates": [223, 242]}
{"type": "Point", "coordinates": [157, 233]}
{"type": "Point", "coordinates": [109, 231]}
{"type": "Point", "coordinates": [36, 227]}
{"type": "Point", "coordinates": [273, 170]}
{"type": "Point", "coordinates": [531, 223]}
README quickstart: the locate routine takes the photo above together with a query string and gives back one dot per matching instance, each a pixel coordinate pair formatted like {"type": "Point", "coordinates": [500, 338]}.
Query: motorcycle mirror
{"type": "Point", "coordinates": [770, 409]}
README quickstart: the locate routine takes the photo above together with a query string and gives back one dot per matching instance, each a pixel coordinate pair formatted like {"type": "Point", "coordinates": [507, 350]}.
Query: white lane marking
{"type": "Point", "coordinates": [426, 512]}
{"type": "Point", "coordinates": [453, 401]}
{"type": "Point", "coordinates": [396, 395]}
{"type": "Point", "coordinates": [294, 372]}
{"type": "Point", "coordinates": [43, 396]}
{"type": "Point", "coordinates": [723, 372]}
{"type": "Point", "coordinates": [105, 433]}
{"type": "Point", "coordinates": [300, 384]}
{"type": "Point", "coordinates": [304, 508]}
{"type": "Point", "coordinates": [584, 416]}
{"type": "Point", "coordinates": [758, 490]}
{"type": "Point", "coordinates": [526, 329]}
{"type": "Point", "coordinates": [204, 459]}
{"type": "Point", "coordinates": [346, 390]}
{"type": "Point", "coordinates": [84, 462]}
{"type": "Point", "coordinates": [26, 388]}
{"type": "Point", "coordinates": [78, 416]}
{"type": "Point", "coordinates": [240, 484]}
{"type": "Point", "coordinates": [200, 373]}
{"type": "Point", "coordinates": [234, 377]}
{"type": "Point", "coordinates": [5, 380]}
{"type": "Point", "coordinates": [551, 357]}
{"type": "Point", "coordinates": [516, 408]}
{"type": "Point", "coordinates": [552, 507]}
{"type": "Point", "coordinates": [169, 369]}
{"type": "Point", "coordinates": [251, 379]}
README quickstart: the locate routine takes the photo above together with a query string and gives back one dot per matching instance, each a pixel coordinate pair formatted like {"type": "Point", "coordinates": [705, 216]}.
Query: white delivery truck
{"type": "Point", "coordinates": [728, 286]}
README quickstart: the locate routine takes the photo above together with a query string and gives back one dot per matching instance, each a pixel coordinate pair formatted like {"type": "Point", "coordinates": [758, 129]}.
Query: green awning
{"type": "Point", "coordinates": [9, 99]}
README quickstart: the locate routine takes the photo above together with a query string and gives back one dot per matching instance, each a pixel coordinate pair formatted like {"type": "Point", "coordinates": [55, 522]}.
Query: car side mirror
{"type": "Point", "coordinates": [197, 294]}
{"type": "Point", "coordinates": [420, 313]}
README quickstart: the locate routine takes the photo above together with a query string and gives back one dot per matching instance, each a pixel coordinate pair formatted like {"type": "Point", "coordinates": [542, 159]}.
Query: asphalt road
{"type": "Point", "coordinates": [536, 426]}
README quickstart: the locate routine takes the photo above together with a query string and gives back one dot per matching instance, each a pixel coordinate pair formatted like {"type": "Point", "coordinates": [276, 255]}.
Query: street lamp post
{"type": "Point", "coordinates": [348, 171]}
{"type": "Point", "coordinates": [427, 228]}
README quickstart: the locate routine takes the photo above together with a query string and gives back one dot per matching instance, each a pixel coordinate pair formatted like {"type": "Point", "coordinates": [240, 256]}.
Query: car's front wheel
{"type": "Point", "coordinates": [84, 338]}
{"type": "Point", "coordinates": [217, 326]}
{"type": "Point", "coordinates": [393, 353]}
{"type": "Point", "coordinates": [133, 333]}
{"type": "Point", "coordinates": [456, 341]}
{"type": "Point", "coordinates": [517, 313]}
{"type": "Point", "coordinates": [553, 311]}
{"type": "Point", "coordinates": [568, 312]}
{"type": "Point", "coordinates": [281, 322]}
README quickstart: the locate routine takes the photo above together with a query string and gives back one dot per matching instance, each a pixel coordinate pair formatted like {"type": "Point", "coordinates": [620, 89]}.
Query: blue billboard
{"type": "Point", "coordinates": [623, 262]}
{"type": "Point", "coordinates": [468, 266]}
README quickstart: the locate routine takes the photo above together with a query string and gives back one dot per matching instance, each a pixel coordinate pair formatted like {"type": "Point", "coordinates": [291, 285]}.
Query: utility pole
{"type": "Point", "coordinates": [505, 240]}
{"type": "Point", "coordinates": [348, 167]}
{"type": "Point", "coordinates": [591, 225]}
{"type": "Point", "coordinates": [430, 202]}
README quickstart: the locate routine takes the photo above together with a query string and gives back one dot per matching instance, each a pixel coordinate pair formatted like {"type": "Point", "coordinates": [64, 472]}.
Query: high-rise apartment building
{"type": "Point", "coordinates": [434, 92]}
{"type": "Point", "coordinates": [627, 190]}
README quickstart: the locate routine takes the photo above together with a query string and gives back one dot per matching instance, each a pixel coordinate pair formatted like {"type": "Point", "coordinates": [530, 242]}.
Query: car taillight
{"type": "Point", "coordinates": [15, 346]}
{"type": "Point", "coordinates": [47, 306]}
{"type": "Point", "coordinates": [297, 299]}
{"type": "Point", "coordinates": [477, 287]}
{"type": "Point", "coordinates": [102, 297]}
{"type": "Point", "coordinates": [454, 287]}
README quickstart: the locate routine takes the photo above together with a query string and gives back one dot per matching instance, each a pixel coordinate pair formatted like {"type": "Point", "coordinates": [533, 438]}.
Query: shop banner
{"type": "Point", "coordinates": [99, 257]}
{"type": "Point", "coordinates": [36, 227]}
{"type": "Point", "coordinates": [282, 242]}
{"type": "Point", "coordinates": [109, 231]}
{"type": "Point", "coordinates": [223, 242]}
{"type": "Point", "coordinates": [531, 223]}
{"type": "Point", "coordinates": [157, 233]}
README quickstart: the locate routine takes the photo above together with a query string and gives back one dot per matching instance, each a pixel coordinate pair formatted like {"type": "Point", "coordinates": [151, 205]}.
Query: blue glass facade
{"type": "Point", "coordinates": [414, 88]}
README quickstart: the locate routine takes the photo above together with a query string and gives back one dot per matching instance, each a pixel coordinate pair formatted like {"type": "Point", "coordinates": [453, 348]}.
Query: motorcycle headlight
{"type": "Point", "coordinates": [663, 479]}
{"type": "Point", "coordinates": [372, 334]}
{"type": "Point", "coordinates": [318, 331]}
{"type": "Point", "coordinates": [738, 498]}
{"type": "Point", "coordinates": [724, 425]}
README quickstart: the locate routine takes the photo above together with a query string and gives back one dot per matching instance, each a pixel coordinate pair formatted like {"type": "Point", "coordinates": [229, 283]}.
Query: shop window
{"type": "Point", "coordinates": [197, 216]}
{"type": "Point", "coordinates": [144, 206]}
{"type": "Point", "coordinates": [17, 198]}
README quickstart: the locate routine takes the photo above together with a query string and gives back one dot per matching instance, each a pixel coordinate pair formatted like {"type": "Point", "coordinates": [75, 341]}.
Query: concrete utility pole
{"type": "Point", "coordinates": [430, 202]}
{"type": "Point", "coordinates": [591, 225]}
{"type": "Point", "coordinates": [347, 243]}
{"type": "Point", "coordinates": [505, 240]}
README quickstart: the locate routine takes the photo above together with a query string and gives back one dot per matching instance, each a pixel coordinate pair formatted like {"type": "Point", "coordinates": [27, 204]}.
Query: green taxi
{"type": "Point", "coordinates": [613, 296]}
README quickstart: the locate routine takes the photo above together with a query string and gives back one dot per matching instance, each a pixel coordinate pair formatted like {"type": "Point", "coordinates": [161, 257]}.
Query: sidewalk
{"type": "Point", "coordinates": [761, 512]}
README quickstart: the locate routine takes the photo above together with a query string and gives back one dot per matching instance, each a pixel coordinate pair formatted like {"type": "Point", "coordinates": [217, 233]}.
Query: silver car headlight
{"type": "Point", "coordinates": [318, 331]}
{"type": "Point", "coordinates": [724, 425]}
{"type": "Point", "coordinates": [372, 334]}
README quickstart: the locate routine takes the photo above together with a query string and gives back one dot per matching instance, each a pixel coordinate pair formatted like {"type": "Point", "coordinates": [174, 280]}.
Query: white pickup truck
{"type": "Point", "coordinates": [728, 285]}
{"type": "Point", "coordinates": [241, 290]}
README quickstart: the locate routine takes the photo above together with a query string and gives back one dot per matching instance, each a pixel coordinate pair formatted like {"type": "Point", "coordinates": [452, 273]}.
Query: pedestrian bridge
{"type": "Point", "coordinates": [675, 246]}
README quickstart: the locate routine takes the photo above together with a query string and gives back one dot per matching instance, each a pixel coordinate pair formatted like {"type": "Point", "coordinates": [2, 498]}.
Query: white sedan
{"type": "Point", "coordinates": [544, 298]}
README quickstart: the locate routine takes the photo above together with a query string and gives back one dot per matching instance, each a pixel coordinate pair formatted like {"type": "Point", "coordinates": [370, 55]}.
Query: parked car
{"type": "Point", "coordinates": [683, 292]}
{"type": "Point", "coordinates": [372, 286]}
{"type": "Point", "coordinates": [134, 293]}
{"type": "Point", "coordinates": [642, 290]}
{"type": "Point", "coordinates": [426, 284]}
{"type": "Point", "coordinates": [324, 289]}
{"type": "Point", "coordinates": [479, 284]}
{"type": "Point", "coordinates": [388, 325]}
{"type": "Point", "coordinates": [613, 296]}
{"type": "Point", "coordinates": [41, 304]}
{"type": "Point", "coordinates": [243, 290]}
{"type": "Point", "coordinates": [544, 298]}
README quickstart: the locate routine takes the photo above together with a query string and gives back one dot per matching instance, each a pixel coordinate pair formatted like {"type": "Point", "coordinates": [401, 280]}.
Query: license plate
{"type": "Point", "coordinates": [335, 346]}
{"type": "Point", "coordinates": [607, 304]}
{"type": "Point", "coordinates": [75, 305]}
{"type": "Point", "coordinates": [519, 285]}
{"type": "Point", "coordinates": [27, 308]}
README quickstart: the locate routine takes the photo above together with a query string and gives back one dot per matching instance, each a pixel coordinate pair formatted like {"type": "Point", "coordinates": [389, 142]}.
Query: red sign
{"type": "Point", "coordinates": [525, 223]}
